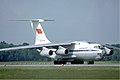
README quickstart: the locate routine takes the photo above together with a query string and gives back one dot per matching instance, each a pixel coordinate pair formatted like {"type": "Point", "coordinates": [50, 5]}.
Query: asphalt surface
{"type": "Point", "coordinates": [50, 65]}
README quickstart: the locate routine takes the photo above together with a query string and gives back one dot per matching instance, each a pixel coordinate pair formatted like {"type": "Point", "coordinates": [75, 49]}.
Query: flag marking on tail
{"type": "Point", "coordinates": [39, 31]}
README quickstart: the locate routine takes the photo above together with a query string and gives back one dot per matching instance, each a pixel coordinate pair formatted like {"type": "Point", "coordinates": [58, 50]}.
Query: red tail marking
{"type": "Point", "coordinates": [39, 31]}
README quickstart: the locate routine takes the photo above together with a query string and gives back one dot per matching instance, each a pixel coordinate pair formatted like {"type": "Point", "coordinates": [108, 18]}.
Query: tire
{"type": "Point", "coordinates": [90, 62]}
{"type": "Point", "coordinates": [77, 62]}
{"type": "Point", "coordinates": [59, 62]}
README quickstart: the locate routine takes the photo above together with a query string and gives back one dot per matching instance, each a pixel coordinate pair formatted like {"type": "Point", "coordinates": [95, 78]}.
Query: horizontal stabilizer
{"type": "Point", "coordinates": [40, 20]}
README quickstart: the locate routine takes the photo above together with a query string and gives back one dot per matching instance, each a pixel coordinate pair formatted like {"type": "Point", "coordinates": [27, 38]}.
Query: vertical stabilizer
{"type": "Point", "coordinates": [40, 35]}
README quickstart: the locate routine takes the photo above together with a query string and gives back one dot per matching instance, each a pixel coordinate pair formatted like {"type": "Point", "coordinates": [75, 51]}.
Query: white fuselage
{"type": "Point", "coordinates": [83, 51]}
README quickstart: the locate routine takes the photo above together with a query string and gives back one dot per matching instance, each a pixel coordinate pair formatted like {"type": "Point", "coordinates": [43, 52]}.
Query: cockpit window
{"type": "Point", "coordinates": [99, 47]}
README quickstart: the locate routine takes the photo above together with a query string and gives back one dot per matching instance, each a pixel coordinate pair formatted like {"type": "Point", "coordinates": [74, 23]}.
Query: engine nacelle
{"type": "Point", "coordinates": [46, 52]}
{"type": "Point", "coordinates": [62, 51]}
{"type": "Point", "coordinates": [108, 51]}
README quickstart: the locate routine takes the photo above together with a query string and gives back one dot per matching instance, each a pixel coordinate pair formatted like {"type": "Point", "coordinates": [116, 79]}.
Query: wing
{"type": "Point", "coordinates": [54, 45]}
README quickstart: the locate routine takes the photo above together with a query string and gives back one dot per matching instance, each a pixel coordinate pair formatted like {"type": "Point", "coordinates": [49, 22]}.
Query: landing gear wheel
{"type": "Point", "coordinates": [90, 62]}
{"type": "Point", "coordinates": [59, 62]}
{"type": "Point", "coordinates": [77, 62]}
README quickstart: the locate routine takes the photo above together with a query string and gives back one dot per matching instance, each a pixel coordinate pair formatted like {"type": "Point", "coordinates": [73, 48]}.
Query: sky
{"type": "Point", "coordinates": [84, 20]}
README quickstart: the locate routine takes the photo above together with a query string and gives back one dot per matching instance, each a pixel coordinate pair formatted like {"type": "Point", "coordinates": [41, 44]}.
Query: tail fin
{"type": "Point", "coordinates": [40, 35]}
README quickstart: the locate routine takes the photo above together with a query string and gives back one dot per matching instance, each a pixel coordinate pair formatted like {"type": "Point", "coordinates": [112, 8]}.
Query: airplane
{"type": "Point", "coordinates": [75, 52]}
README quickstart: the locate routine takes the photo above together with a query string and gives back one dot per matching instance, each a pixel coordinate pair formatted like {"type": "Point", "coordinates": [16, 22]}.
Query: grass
{"type": "Point", "coordinates": [61, 72]}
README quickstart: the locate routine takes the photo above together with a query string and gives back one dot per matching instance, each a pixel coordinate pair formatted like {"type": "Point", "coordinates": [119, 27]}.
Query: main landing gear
{"type": "Point", "coordinates": [73, 62]}
{"type": "Point", "coordinates": [59, 62]}
{"type": "Point", "coordinates": [77, 62]}
{"type": "Point", "coordinates": [90, 62]}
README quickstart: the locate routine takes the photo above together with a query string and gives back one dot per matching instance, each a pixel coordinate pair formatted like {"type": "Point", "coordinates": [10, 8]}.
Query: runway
{"type": "Point", "coordinates": [70, 65]}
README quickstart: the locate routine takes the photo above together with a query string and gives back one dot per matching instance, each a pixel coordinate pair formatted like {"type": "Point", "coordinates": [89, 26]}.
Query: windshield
{"type": "Point", "coordinates": [99, 47]}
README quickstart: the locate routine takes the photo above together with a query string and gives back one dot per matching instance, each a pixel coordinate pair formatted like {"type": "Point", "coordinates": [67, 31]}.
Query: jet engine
{"type": "Point", "coordinates": [62, 51]}
{"type": "Point", "coordinates": [108, 51]}
{"type": "Point", "coordinates": [46, 52]}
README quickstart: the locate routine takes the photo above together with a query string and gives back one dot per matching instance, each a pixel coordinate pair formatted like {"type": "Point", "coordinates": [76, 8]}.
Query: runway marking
{"type": "Point", "coordinates": [70, 65]}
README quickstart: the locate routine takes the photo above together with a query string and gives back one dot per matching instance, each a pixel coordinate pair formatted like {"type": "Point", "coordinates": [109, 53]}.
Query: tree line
{"type": "Point", "coordinates": [20, 55]}
{"type": "Point", "coordinates": [33, 55]}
